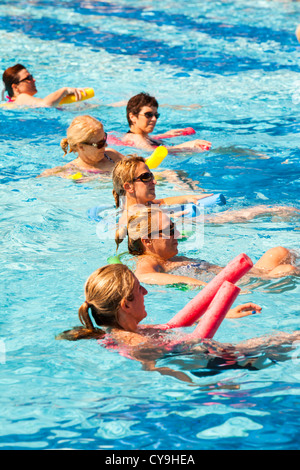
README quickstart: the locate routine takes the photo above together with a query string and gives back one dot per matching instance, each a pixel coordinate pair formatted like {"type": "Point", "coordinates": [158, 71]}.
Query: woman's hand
{"type": "Point", "coordinates": [195, 198]}
{"type": "Point", "coordinates": [202, 144]}
{"type": "Point", "coordinates": [174, 132]}
{"type": "Point", "coordinates": [243, 310]}
{"type": "Point", "coordinates": [77, 92]}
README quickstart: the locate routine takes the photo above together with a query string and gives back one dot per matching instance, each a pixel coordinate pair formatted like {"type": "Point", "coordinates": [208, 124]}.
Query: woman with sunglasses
{"type": "Point", "coordinates": [86, 137]}
{"type": "Point", "coordinates": [153, 237]}
{"type": "Point", "coordinates": [142, 117]}
{"type": "Point", "coordinates": [134, 186]}
{"type": "Point", "coordinates": [20, 87]}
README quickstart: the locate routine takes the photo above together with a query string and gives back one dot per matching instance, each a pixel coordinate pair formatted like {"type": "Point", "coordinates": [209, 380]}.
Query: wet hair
{"type": "Point", "coordinates": [137, 102]}
{"type": "Point", "coordinates": [104, 290]}
{"type": "Point", "coordinates": [123, 172]}
{"type": "Point", "coordinates": [81, 129]}
{"type": "Point", "coordinates": [141, 225]}
{"type": "Point", "coordinates": [11, 76]}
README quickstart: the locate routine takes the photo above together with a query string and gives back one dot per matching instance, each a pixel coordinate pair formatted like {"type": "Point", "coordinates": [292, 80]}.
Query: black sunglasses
{"type": "Point", "coordinates": [144, 177]}
{"type": "Point", "coordinates": [99, 144]}
{"type": "Point", "coordinates": [28, 78]}
{"type": "Point", "coordinates": [149, 115]}
{"type": "Point", "coordinates": [166, 232]}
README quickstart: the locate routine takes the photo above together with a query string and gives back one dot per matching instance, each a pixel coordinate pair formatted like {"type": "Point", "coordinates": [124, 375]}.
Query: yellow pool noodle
{"type": "Point", "coordinates": [71, 98]}
{"type": "Point", "coordinates": [76, 176]}
{"type": "Point", "coordinates": [157, 157]}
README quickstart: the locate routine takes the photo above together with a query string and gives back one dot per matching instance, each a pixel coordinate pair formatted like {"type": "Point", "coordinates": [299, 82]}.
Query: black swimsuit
{"type": "Point", "coordinates": [151, 141]}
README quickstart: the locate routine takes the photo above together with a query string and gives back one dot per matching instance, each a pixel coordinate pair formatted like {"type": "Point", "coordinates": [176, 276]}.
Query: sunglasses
{"type": "Point", "coordinates": [149, 115]}
{"type": "Point", "coordinates": [165, 232]}
{"type": "Point", "coordinates": [144, 177]}
{"type": "Point", "coordinates": [99, 144]}
{"type": "Point", "coordinates": [28, 78]}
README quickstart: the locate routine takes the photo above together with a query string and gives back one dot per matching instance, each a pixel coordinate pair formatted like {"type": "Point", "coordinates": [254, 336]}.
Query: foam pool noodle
{"type": "Point", "coordinates": [234, 270]}
{"type": "Point", "coordinates": [76, 176]}
{"type": "Point", "coordinates": [214, 315]}
{"type": "Point", "coordinates": [216, 312]}
{"type": "Point", "coordinates": [116, 258]}
{"type": "Point", "coordinates": [71, 98]}
{"type": "Point", "coordinates": [157, 157]}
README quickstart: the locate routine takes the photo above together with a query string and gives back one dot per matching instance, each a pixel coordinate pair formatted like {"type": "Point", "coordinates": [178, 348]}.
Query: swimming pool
{"type": "Point", "coordinates": [231, 71]}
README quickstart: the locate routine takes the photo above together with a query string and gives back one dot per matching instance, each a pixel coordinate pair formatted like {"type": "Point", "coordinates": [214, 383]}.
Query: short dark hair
{"type": "Point", "coordinates": [137, 102]}
{"type": "Point", "coordinates": [10, 76]}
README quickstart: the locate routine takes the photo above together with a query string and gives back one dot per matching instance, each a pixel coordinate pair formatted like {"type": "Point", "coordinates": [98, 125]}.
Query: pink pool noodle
{"type": "Point", "coordinates": [198, 305]}
{"type": "Point", "coordinates": [113, 140]}
{"type": "Point", "coordinates": [216, 311]}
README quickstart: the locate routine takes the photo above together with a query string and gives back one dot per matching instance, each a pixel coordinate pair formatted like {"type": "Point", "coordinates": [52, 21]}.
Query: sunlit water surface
{"type": "Point", "coordinates": [230, 70]}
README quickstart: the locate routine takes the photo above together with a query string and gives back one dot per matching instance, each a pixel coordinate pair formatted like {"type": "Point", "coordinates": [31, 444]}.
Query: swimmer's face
{"type": "Point", "coordinates": [25, 83]}
{"type": "Point", "coordinates": [146, 120]}
{"type": "Point", "coordinates": [136, 308]}
{"type": "Point", "coordinates": [92, 150]}
{"type": "Point", "coordinates": [164, 241]}
{"type": "Point", "coordinates": [143, 191]}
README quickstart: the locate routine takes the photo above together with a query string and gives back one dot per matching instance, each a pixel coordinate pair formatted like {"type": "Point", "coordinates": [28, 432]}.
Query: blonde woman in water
{"type": "Point", "coordinates": [86, 138]}
{"type": "Point", "coordinates": [114, 300]}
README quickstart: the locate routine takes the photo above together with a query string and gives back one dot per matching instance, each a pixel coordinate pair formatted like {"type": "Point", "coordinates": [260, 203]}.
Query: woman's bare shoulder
{"type": "Point", "coordinates": [114, 154]}
{"type": "Point", "coordinates": [146, 264]}
{"type": "Point", "coordinates": [128, 338]}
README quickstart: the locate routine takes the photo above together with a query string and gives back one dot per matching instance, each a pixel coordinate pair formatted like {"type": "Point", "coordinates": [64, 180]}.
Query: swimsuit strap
{"type": "Point", "coordinates": [108, 158]}
{"type": "Point", "coordinates": [151, 141]}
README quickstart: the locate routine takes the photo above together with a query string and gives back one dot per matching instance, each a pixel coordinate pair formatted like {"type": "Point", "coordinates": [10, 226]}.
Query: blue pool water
{"type": "Point", "coordinates": [229, 69]}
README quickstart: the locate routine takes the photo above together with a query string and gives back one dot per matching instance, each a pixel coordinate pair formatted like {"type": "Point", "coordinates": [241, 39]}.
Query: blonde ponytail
{"type": "Point", "coordinates": [64, 145]}
{"type": "Point", "coordinates": [116, 198]}
{"type": "Point", "coordinates": [104, 291]}
{"type": "Point", "coordinates": [88, 331]}
{"type": "Point", "coordinates": [81, 129]}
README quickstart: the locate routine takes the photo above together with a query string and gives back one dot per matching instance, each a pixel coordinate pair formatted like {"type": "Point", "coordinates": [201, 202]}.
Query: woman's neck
{"type": "Point", "coordinates": [131, 201]}
{"type": "Point", "coordinates": [136, 130]}
{"type": "Point", "coordinates": [159, 260]}
{"type": "Point", "coordinates": [88, 165]}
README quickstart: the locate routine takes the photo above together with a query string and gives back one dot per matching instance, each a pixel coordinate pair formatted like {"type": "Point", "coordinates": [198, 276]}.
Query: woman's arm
{"type": "Point", "coordinates": [198, 144]}
{"type": "Point", "coordinates": [54, 98]}
{"type": "Point", "coordinates": [138, 141]}
{"type": "Point", "coordinates": [188, 198]}
{"type": "Point", "coordinates": [51, 100]}
{"type": "Point", "coordinates": [151, 366]}
{"type": "Point", "coordinates": [171, 133]}
{"type": "Point", "coordinates": [243, 215]}
{"type": "Point", "coordinates": [165, 278]}
{"type": "Point", "coordinates": [52, 171]}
